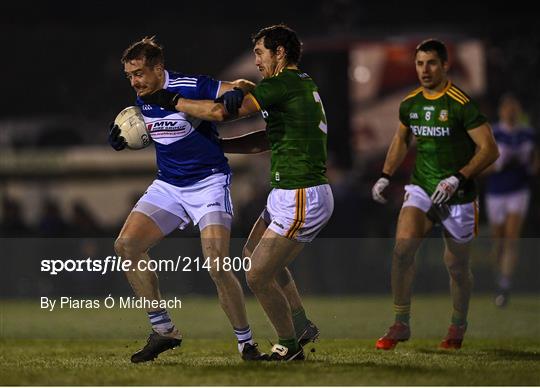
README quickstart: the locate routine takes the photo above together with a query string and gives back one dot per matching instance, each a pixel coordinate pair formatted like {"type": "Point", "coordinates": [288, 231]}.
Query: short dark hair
{"type": "Point", "coordinates": [281, 35]}
{"type": "Point", "coordinates": [434, 45]}
{"type": "Point", "coordinates": [148, 49]}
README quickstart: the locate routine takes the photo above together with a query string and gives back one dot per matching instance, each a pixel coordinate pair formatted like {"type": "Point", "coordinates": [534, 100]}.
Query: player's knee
{"type": "Point", "coordinates": [218, 275]}
{"type": "Point", "coordinates": [119, 246]}
{"type": "Point", "coordinates": [510, 244]}
{"type": "Point", "coordinates": [127, 248]}
{"type": "Point", "coordinates": [403, 254]}
{"type": "Point", "coordinates": [256, 280]}
{"type": "Point", "coordinates": [284, 277]}
{"type": "Point", "coordinates": [214, 251]}
{"type": "Point", "coordinates": [459, 272]}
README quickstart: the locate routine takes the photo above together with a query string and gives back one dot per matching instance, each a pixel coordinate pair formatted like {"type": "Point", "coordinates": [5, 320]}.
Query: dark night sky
{"type": "Point", "coordinates": [59, 58]}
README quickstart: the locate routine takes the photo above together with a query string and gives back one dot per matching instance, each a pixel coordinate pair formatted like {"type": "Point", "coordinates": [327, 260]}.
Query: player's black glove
{"type": "Point", "coordinates": [115, 140]}
{"type": "Point", "coordinates": [164, 98]}
{"type": "Point", "coordinates": [232, 100]}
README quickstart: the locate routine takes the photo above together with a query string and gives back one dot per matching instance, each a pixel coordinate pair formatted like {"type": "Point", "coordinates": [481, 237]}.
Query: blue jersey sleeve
{"type": "Point", "coordinates": [207, 87]}
{"type": "Point", "coordinates": [194, 87]}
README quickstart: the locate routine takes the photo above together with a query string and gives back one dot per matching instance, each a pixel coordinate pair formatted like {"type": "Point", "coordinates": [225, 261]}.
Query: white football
{"type": "Point", "coordinates": [132, 128]}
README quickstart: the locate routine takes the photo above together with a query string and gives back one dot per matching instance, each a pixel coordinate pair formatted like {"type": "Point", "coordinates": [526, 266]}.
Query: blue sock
{"type": "Point", "coordinates": [161, 322]}
{"type": "Point", "coordinates": [244, 336]}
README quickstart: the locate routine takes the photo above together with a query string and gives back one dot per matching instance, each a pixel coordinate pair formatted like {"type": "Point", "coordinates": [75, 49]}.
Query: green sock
{"type": "Point", "coordinates": [403, 313]}
{"type": "Point", "coordinates": [291, 344]}
{"type": "Point", "coordinates": [459, 318]}
{"type": "Point", "coordinates": [300, 320]}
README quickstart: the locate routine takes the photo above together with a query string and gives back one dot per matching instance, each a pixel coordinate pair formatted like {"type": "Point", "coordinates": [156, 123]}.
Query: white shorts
{"type": "Point", "coordinates": [299, 214]}
{"type": "Point", "coordinates": [174, 207]}
{"type": "Point", "coordinates": [460, 221]}
{"type": "Point", "coordinates": [499, 206]}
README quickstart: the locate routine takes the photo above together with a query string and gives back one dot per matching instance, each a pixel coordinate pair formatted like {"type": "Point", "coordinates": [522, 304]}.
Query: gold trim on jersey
{"type": "Point", "coordinates": [300, 213]}
{"type": "Point", "coordinates": [413, 93]}
{"type": "Point", "coordinates": [458, 95]}
{"type": "Point", "coordinates": [456, 98]}
{"type": "Point", "coordinates": [254, 100]}
{"type": "Point", "coordinates": [437, 95]}
{"type": "Point", "coordinates": [460, 92]}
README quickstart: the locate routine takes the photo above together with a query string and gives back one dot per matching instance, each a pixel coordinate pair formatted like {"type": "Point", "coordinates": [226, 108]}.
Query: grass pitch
{"type": "Point", "coordinates": [92, 347]}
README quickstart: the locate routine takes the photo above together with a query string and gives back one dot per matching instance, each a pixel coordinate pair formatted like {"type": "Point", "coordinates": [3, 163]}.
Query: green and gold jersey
{"type": "Point", "coordinates": [296, 128]}
{"type": "Point", "coordinates": [440, 124]}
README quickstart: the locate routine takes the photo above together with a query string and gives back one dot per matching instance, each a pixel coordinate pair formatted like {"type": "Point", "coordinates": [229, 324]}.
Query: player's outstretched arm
{"type": "Point", "coordinates": [204, 109]}
{"type": "Point", "coordinates": [245, 85]}
{"type": "Point", "coordinates": [231, 95]}
{"type": "Point", "coordinates": [250, 143]}
{"type": "Point", "coordinates": [216, 111]}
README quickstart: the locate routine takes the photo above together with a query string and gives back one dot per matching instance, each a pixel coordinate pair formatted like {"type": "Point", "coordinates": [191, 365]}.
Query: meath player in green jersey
{"type": "Point", "coordinates": [454, 144]}
{"type": "Point", "coordinates": [301, 202]}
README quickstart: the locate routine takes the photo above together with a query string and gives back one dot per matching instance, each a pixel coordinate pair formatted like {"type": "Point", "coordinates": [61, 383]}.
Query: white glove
{"type": "Point", "coordinates": [445, 189]}
{"type": "Point", "coordinates": [378, 188]}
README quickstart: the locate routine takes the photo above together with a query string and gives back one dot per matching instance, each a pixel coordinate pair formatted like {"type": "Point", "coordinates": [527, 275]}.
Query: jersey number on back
{"type": "Point", "coordinates": [322, 125]}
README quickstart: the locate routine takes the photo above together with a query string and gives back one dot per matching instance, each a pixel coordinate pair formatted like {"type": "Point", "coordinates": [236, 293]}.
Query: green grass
{"type": "Point", "coordinates": [92, 347]}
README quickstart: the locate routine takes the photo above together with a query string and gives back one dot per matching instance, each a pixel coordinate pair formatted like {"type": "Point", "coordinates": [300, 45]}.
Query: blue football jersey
{"type": "Point", "coordinates": [516, 158]}
{"type": "Point", "coordinates": [187, 148]}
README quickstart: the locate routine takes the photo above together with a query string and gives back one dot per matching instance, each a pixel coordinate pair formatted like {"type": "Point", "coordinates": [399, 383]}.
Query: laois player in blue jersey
{"type": "Point", "coordinates": [507, 190]}
{"type": "Point", "coordinates": [192, 186]}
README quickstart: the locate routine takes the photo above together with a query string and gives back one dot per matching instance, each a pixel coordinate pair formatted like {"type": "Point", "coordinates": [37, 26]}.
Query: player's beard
{"type": "Point", "coordinates": [433, 83]}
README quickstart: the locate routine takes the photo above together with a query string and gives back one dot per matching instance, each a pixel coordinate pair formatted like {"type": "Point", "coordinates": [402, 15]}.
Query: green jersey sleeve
{"type": "Point", "coordinates": [269, 91]}
{"type": "Point", "coordinates": [404, 112]}
{"type": "Point", "coordinates": [472, 117]}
